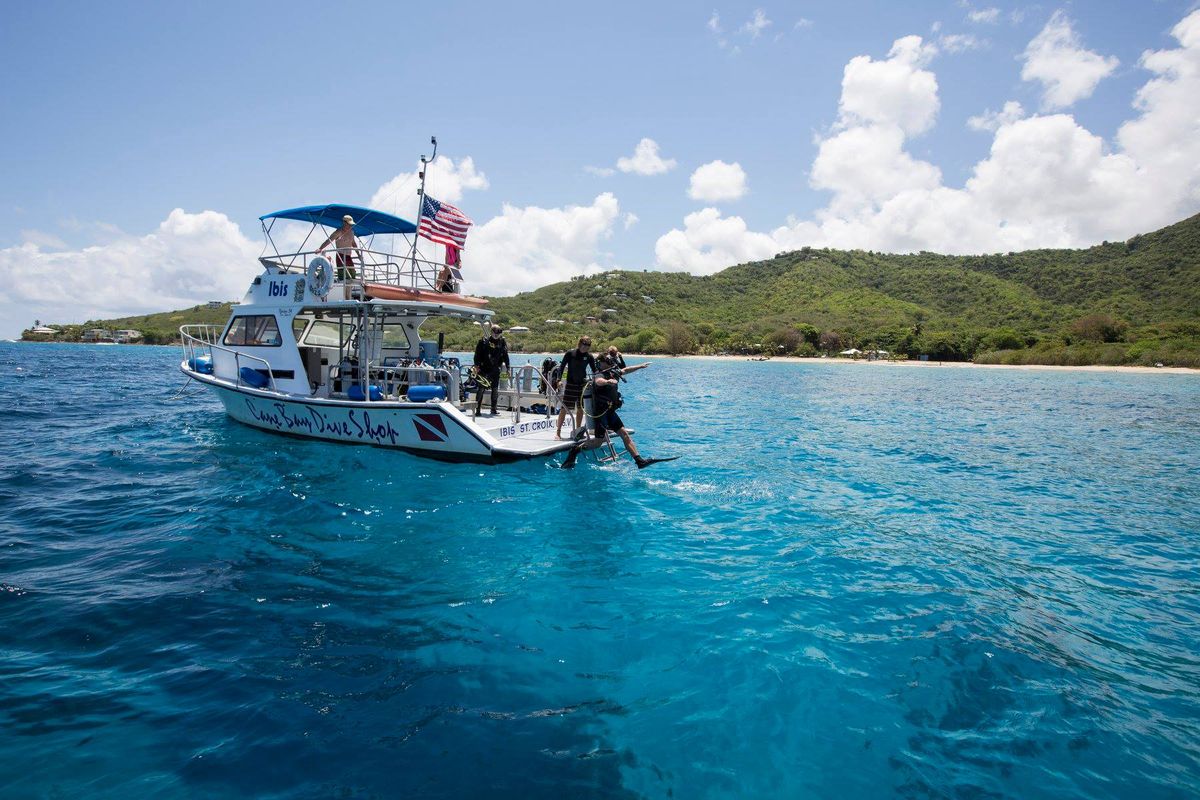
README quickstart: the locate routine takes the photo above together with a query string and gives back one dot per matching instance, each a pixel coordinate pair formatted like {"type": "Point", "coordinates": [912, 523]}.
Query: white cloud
{"type": "Point", "coordinates": [995, 120]}
{"type": "Point", "coordinates": [631, 219]}
{"type": "Point", "coordinates": [45, 241]}
{"type": "Point", "coordinates": [803, 22]}
{"type": "Point", "coordinates": [601, 172]}
{"type": "Point", "coordinates": [749, 32]}
{"type": "Point", "coordinates": [716, 181]}
{"type": "Point", "coordinates": [709, 242]}
{"type": "Point", "coordinates": [894, 91]}
{"type": "Point", "coordinates": [193, 258]}
{"type": "Point", "coordinates": [960, 42]}
{"type": "Point", "coordinates": [1046, 181]}
{"type": "Point", "coordinates": [757, 23]}
{"type": "Point", "coordinates": [524, 248]}
{"type": "Point", "coordinates": [1056, 58]}
{"type": "Point", "coordinates": [444, 180]}
{"type": "Point", "coordinates": [189, 259]}
{"type": "Point", "coordinates": [1049, 175]}
{"type": "Point", "coordinates": [646, 160]}
{"type": "Point", "coordinates": [1165, 138]}
{"type": "Point", "coordinates": [986, 16]}
{"type": "Point", "coordinates": [866, 164]}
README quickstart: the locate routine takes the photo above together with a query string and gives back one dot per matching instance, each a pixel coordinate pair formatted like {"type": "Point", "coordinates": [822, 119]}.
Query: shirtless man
{"type": "Point", "coordinates": [343, 237]}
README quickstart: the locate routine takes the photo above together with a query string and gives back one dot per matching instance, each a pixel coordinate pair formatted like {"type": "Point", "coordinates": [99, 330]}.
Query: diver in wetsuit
{"type": "Point", "coordinates": [573, 370]}
{"type": "Point", "coordinates": [606, 399]}
{"type": "Point", "coordinates": [549, 376]}
{"type": "Point", "coordinates": [490, 353]}
{"type": "Point", "coordinates": [615, 355]}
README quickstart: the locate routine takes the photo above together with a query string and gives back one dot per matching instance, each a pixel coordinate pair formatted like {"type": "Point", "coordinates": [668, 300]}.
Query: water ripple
{"type": "Point", "coordinates": [865, 582]}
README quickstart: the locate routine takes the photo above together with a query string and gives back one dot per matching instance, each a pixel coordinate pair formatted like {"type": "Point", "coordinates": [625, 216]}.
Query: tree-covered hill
{"type": "Point", "coordinates": [1124, 302]}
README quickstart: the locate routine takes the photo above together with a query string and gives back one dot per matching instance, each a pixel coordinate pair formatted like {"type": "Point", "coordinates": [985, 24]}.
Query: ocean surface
{"type": "Point", "coordinates": [859, 582]}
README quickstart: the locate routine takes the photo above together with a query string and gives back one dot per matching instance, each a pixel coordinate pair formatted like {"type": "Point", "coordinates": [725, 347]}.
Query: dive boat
{"type": "Point", "coordinates": [319, 354]}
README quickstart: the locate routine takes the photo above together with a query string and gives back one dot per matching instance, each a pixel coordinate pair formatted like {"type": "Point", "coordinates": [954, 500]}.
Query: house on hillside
{"type": "Point", "coordinates": [41, 332]}
{"type": "Point", "coordinates": [213, 304]}
{"type": "Point", "coordinates": [97, 335]}
{"type": "Point", "coordinates": [518, 329]}
{"type": "Point", "coordinates": [554, 322]}
{"type": "Point", "coordinates": [647, 298]}
{"type": "Point", "coordinates": [127, 336]}
{"type": "Point", "coordinates": [591, 320]}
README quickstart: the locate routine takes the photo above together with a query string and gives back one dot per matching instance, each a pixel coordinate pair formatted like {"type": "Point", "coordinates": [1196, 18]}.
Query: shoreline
{"type": "Point", "coordinates": [861, 362]}
{"type": "Point", "coordinates": [938, 364]}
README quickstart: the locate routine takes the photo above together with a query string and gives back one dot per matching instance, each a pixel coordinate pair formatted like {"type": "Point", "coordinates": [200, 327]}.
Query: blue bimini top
{"type": "Point", "coordinates": [367, 221]}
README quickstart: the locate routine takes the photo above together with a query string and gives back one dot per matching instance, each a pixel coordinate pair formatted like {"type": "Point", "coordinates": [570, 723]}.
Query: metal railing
{"type": "Point", "coordinates": [439, 376]}
{"type": "Point", "coordinates": [370, 266]}
{"type": "Point", "coordinates": [201, 340]}
{"type": "Point", "coordinates": [521, 386]}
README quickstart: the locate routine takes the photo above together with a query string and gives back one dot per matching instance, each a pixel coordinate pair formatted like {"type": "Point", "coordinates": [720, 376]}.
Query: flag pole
{"type": "Point", "coordinates": [421, 207]}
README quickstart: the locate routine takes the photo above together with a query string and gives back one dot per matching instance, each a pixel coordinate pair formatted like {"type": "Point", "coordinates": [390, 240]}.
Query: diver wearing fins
{"type": "Point", "coordinates": [607, 400]}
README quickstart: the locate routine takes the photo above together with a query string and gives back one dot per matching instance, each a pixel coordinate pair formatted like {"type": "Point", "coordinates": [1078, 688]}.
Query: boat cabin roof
{"type": "Point", "coordinates": [367, 221]}
{"type": "Point", "coordinates": [385, 308]}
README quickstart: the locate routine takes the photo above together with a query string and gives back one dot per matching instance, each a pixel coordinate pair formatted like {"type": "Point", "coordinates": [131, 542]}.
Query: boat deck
{"type": "Point", "coordinates": [536, 438]}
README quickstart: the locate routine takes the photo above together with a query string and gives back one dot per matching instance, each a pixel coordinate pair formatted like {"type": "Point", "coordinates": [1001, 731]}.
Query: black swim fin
{"type": "Point", "coordinates": [571, 456]}
{"type": "Point", "coordinates": [642, 463]}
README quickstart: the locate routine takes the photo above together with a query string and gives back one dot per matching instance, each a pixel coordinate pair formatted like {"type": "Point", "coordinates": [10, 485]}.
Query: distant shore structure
{"type": "Point", "coordinates": [97, 335]}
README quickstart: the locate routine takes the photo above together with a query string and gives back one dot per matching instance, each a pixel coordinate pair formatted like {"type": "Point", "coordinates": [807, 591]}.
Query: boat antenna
{"type": "Point", "coordinates": [421, 205]}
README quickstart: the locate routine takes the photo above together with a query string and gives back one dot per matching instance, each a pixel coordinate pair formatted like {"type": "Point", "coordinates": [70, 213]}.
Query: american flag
{"type": "Point", "coordinates": [443, 223]}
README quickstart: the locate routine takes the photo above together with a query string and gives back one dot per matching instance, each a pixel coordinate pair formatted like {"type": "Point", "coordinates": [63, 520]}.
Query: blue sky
{"type": "Point", "coordinates": [843, 131]}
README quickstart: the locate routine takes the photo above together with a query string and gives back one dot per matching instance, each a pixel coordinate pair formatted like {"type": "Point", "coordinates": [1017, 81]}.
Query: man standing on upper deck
{"type": "Point", "coordinates": [490, 353]}
{"type": "Point", "coordinates": [343, 237]}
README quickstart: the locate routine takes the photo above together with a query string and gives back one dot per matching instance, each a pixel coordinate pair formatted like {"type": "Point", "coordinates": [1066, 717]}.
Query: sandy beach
{"type": "Point", "coordinates": [849, 362]}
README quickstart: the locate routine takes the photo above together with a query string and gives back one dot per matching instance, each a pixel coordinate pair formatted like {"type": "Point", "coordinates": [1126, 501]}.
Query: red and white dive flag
{"type": "Point", "coordinates": [443, 223]}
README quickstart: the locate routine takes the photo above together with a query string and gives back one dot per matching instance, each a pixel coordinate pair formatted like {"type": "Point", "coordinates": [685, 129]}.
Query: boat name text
{"type": "Point", "coordinates": [315, 422]}
{"type": "Point", "coordinates": [522, 428]}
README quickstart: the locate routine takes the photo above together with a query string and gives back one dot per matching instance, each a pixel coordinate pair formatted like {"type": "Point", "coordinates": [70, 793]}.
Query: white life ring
{"type": "Point", "coordinates": [320, 276]}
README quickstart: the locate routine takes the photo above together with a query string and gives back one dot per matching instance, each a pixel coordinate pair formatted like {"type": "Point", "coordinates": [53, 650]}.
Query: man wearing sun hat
{"type": "Point", "coordinates": [343, 237]}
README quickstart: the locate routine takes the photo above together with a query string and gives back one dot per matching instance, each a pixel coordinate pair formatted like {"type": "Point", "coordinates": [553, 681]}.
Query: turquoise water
{"type": "Point", "coordinates": [861, 582]}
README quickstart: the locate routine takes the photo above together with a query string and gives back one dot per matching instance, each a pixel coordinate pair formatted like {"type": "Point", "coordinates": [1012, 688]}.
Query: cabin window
{"type": "Point", "coordinates": [395, 337]}
{"type": "Point", "coordinates": [327, 334]}
{"type": "Point", "coordinates": [298, 326]}
{"type": "Point", "coordinates": [254, 331]}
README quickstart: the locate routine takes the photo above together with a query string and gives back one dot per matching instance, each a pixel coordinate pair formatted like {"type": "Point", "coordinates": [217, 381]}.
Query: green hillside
{"type": "Point", "coordinates": [160, 328]}
{"type": "Point", "coordinates": [1124, 302]}
{"type": "Point", "coordinates": [1134, 302]}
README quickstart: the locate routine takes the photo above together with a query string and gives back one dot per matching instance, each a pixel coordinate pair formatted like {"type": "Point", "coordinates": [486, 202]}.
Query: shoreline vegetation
{"type": "Point", "coordinates": [1126, 368]}
{"type": "Point", "coordinates": [846, 361]}
{"type": "Point", "coordinates": [1132, 304]}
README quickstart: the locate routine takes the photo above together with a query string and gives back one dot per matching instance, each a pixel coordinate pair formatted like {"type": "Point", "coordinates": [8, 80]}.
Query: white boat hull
{"type": "Point", "coordinates": [436, 429]}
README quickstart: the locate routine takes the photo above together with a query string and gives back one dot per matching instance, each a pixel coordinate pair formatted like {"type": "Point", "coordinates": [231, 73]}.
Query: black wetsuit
{"type": "Point", "coordinates": [574, 366]}
{"type": "Point", "coordinates": [549, 375]}
{"type": "Point", "coordinates": [490, 354]}
{"type": "Point", "coordinates": [606, 399]}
